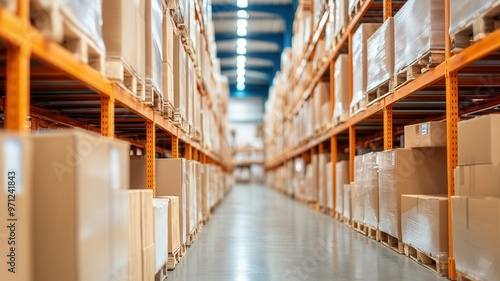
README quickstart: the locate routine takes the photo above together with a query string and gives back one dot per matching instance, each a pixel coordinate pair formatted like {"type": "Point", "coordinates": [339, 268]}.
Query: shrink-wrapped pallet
{"type": "Point", "coordinates": [347, 201]}
{"type": "Point", "coordinates": [180, 77]}
{"type": "Point", "coordinates": [341, 179]}
{"type": "Point", "coordinates": [341, 110]}
{"type": "Point", "coordinates": [161, 231]}
{"type": "Point", "coordinates": [321, 97]}
{"type": "Point", "coordinates": [370, 185]}
{"type": "Point", "coordinates": [380, 55]}
{"type": "Point", "coordinates": [341, 17]}
{"type": "Point", "coordinates": [418, 29]}
{"type": "Point", "coordinates": [359, 64]}
{"type": "Point", "coordinates": [154, 46]}
{"type": "Point", "coordinates": [424, 222]}
{"type": "Point", "coordinates": [464, 12]}
{"type": "Point", "coordinates": [329, 186]}
{"type": "Point", "coordinates": [330, 27]}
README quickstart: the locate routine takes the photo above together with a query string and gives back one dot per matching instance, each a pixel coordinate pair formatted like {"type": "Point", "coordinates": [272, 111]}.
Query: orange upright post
{"type": "Point", "coordinates": [17, 104]}
{"type": "Point", "coordinates": [150, 155]}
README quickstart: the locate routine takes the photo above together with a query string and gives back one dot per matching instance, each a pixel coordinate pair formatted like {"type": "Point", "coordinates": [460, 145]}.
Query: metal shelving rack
{"type": "Point", "coordinates": [452, 89]}
{"type": "Point", "coordinates": [47, 84]}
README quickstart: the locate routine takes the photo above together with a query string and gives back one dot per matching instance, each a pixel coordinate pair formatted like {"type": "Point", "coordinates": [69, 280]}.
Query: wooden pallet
{"type": "Point", "coordinates": [357, 107]}
{"type": "Point", "coordinates": [182, 251]}
{"type": "Point", "coordinates": [476, 29]}
{"type": "Point", "coordinates": [314, 206]}
{"type": "Point", "coordinates": [439, 266]}
{"type": "Point", "coordinates": [392, 242]}
{"type": "Point", "coordinates": [206, 218]}
{"type": "Point", "coordinates": [339, 216]}
{"type": "Point", "coordinates": [56, 22]}
{"type": "Point", "coordinates": [356, 9]}
{"type": "Point", "coordinates": [347, 221]}
{"type": "Point", "coordinates": [418, 67]}
{"type": "Point", "coordinates": [380, 91]}
{"type": "Point", "coordinates": [153, 97]}
{"type": "Point", "coordinates": [191, 237]}
{"type": "Point", "coordinates": [173, 259]}
{"type": "Point", "coordinates": [339, 119]}
{"type": "Point", "coordinates": [162, 274]}
{"type": "Point", "coordinates": [359, 227]}
{"type": "Point", "coordinates": [120, 72]}
{"type": "Point", "coordinates": [168, 110]}
{"type": "Point", "coordinates": [372, 232]}
{"type": "Point", "coordinates": [462, 276]}
{"type": "Point", "coordinates": [180, 121]}
{"type": "Point", "coordinates": [339, 35]}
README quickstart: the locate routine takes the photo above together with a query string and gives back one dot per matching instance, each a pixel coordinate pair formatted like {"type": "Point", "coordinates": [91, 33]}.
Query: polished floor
{"type": "Point", "coordinates": [258, 234]}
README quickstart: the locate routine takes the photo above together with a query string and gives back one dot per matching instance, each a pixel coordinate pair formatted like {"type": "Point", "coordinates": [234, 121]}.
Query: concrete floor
{"type": "Point", "coordinates": [258, 234]}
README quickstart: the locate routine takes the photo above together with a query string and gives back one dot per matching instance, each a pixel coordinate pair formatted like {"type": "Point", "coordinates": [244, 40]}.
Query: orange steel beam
{"type": "Point", "coordinates": [333, 156]}
{"type": "Point", "coordinates": [175, 146]}
{"type": "Point", "coordinates": [387, 9]}
{"type": "Point", "coordinates": [451, 136]}
{"type": "Point", "coordinates": [18, 88]}
{"type": "Point", "coordinates": [388, 130]}
{"type": "Point", "coordinates": [332, 90]}
{"type": "Point", "coordinates": [352, 151]}
{"type": "Point", "coordinates": [107, 117]}
{"type": "Point", "coordinates": [150, 155]}
{"type": "Point", "coordinates": [188, 152]}
{"type": "Point", "coordinates": [23, 9]}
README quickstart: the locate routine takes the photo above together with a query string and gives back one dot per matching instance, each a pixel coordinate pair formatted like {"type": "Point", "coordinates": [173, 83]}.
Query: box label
{"type": "Point", "coordinates": [425, 129]}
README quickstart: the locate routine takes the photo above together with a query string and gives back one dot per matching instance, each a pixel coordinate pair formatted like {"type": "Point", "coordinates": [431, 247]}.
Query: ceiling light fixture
{"type": "Point", "coordinates": [241, 50]}
{"type": "Point", "coordinates": [242, 3]}
{"type": "Point", "coordinates": [240, 79]}
{"type": "Point", "coordinates": [240, 71]}
{"type": "Point", "coordinates": [240, 86]}
{"type": "Point", "coordinates": [241, 59]}
{"type": "Point", "coordinates": [242, 23]}
{"type": "Point", "coordinates": [241, 32]}
{"type": "Point", "coordinates": [242, 14]}
{"type": "Point", "coordinates": [241, 42]}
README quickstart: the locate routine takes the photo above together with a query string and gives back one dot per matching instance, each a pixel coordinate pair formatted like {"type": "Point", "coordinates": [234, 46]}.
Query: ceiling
{"type": "Point", "coordinates": [268, 28]}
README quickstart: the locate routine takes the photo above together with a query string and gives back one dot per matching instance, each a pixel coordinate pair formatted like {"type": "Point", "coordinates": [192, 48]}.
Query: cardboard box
{"type": "Point", "coordinates": [199, 182]}
{"type": "Point", "coordinates": [341, 179]}
{"type": "Point", "coordinates": [407, 171]}
{"type": "Point", "coordinates": [154, 44]}
{"type": "Point", "coordinates": [476, 232]}
{"type": "Point", "coordinates": [173, 223]}
{"type": "Point", "coordinates": [321, 97]}
{"type": "Point", "coordinates": [329, 185]}
{"type": "Point", "coordinates": [315, 178]}
{"type": "Point", "coordinates": [478, 180]}
{"type": "Point", "coordinates": [424, 224]}
{"type": "Point", "coordinates": [123, 33]}
{"type": "Point", "coordinates": [85, 172]}
{"type": "Point", "coordinates": [425, 135]}
{"type": "Point", "coordinates": [358, 201]}
{"type": "Point", "coordinates": [191, 209]}
{"type": "Point", "coordinates": [341, 108]}
{"type": "Point", "coordinates": [134, 231]}
{"type": "Point", "coordinates": [205, 192]}
{"type": "Point", "coordinates": [170, 180]}
{"type": "Point", "coordinates": [160, 206]}
{"type": "Point", "coordinates": [479, 150]}
{"type": "Point", "coordinates": [347, 201]}
{"type": "Point", "coordinates": [322, 192]}
{"type": "Point", "coordinates": [359, 61]}
{"type": "Point", "coordinates": [380, 55]}
{"type": "Point", "coordinates": [180, 76]}
{"type": "Point", "coordinates": [168, 28]}
{"type": "Point", "coordinates": [148, 263]}
{"type": "Point", "coordinates": [147, 218]}
{"type": "Point", "coordinates": [16, 190]}
{"type": "Point", "coordinates": [370, 185]}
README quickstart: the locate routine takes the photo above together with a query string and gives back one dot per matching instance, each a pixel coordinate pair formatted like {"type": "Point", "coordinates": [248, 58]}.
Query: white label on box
{"type": "Point", "coordinates": [114, 158]}
{"type": "Point", "coordinates": [12, 163]}
{"type": "Point", "coordinates": [425, 129]}
{"type": "Point", "coordinates": [393, 158]}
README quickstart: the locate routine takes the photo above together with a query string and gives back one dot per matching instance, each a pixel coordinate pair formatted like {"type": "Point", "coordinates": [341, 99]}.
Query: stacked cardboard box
{"type": "Point", "coordinates": [90, 211]}
{"type": "Point", "coordinates": [341, 179]}
{"type": "Point", "coordinates": [161, 215]}
{"type": "Point", "coordinates": [412, 43]}
{"type": "Point", "coordinates": [174, 241]}
{"type": "Point", "coordinates": [154, 48]}
{"type": "Point", "coordinates": [380, 55]}
{"type": "Point", "coordinates": [358, 191]}
{"type": "Point", "coordinates": [17, 189]}
{"type": "Point", "coordinates": [476, 206]}
{"type": "Point", "coordinates": [321, 98]}
{"type": "Point", "coordinates": [168, 59]}
{"type": "Point", "coordinates": [359, 63]}
{"type": "Point", "coordinates": [341, 17]}
{"type": "Point", "coordinates": [324, 182]}
{"type": "Point", "coordinates": [418, 170]}
{"type": "Point", "coordinates": [347, 204]}
{"type": "Point", "coordinates": [370, 187]}
{"type": "Point", "coordinates": [341, 110]}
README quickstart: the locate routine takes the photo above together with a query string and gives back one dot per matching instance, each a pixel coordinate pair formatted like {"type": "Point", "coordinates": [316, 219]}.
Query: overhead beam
{"type": "Point", "coordinates": [274, 57]}
{"type": "Point", "coordinates": [267, 70]}
{"type": "Point", "coordinates": [271, 37]}
{"type": "Point", "coordinates": [282, 10]}
{"type": "Point", "coordinates": [251, 88]}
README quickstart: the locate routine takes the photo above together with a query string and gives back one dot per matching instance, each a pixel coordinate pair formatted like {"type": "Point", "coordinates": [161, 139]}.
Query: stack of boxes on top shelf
{"type": "Point", "coordinates": [394, 53]}
{"type": "Point", "coordinates": [476, 206]}
{"type": "Point", "coordinates": [92, 218]}
{"type": "Point", "coordinates": [158, 54]}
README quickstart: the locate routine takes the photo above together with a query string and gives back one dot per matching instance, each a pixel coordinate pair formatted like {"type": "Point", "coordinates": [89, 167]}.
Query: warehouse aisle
{"type": "Point", "coordinates": [258, 234]}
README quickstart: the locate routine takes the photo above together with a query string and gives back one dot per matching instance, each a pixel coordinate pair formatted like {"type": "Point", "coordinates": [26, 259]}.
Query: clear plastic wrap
{"type": "Point", "coordinates": [352, 5]}
{"type": "Point", "coordinates": [321, 97]}
{"type": "Point", "coordinates": [179, 76]}
{"type": "Point", "coordinates": [341, 17]}
{"type": "Point", "coordinates": [424, 223]}
{"type": "Point", "coordinates": [370, 185]}
{"type": "Point", "coordinates": [407, 171]}
{"type": "Point", "coordinates": [359, 60]}
{"type": "Point", "coordinates": [341, 110]}
{"type": "Point", "coordinates": [330, 26]}
{"type": "Point", "coordinates": [358, 201]}
{"type": "Point", "coordinates": [475, 226]}
{"type": "Point", "coordinates": [341, 179]}
{"type": "Point", "coordinates": [380, 55]}
{"type": "Point", "coordinates": [463, 12]}
{"type": "Point", "coordinates": [358, 168]}
{"type": "Point", "coordinates": [161, 232]}
{"type": "Point", "coordinates": [154, 22]}
{"type": "Point", "coordinates": [329, 186]}
{"type": "Point", "coordinates": [418, 28]}
{"type": "Point", "coordinates": [347, 201]}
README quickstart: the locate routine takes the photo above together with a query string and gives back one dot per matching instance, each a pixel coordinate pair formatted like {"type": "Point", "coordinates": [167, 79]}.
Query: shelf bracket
{"type": "Point", "coordinates": [188, 152]}
{"type": "Point", "coordinates": [175, 146]}
{"type": "Point", "coordinates": [150, 155]}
